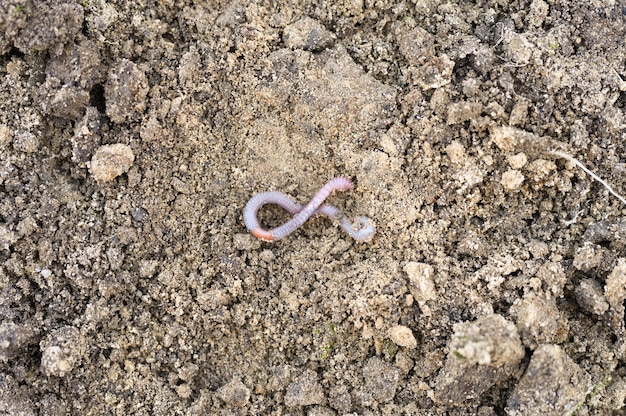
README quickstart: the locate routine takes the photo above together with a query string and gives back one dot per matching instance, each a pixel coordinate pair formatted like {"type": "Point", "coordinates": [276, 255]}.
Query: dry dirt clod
{"type": "Point", "coordinates": [307, 34]}
{"type": "Point", "coordinates": [235, 393]}
{"type": "Point", "coordinates": [381, 380]}
{"type": "Point", "coordinates": [482, 353]}
{"type": "Point", "coordinates": [125, 92]}
{"type": "Point", "coordinates": [62, 351]}
{"type": "Point", "coordinates": [305, 390]}
{"type": "Point", "coordinates": [402, 336]}
{"type": "Point", "coordinates": [553, 384]}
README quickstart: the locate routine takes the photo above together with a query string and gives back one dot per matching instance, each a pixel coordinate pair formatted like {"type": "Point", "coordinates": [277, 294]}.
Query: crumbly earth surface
{"type": "Point", "coordinates": [132, 134]}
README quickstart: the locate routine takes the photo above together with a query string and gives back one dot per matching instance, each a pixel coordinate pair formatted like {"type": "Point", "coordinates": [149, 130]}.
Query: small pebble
{"type": "Point", "coordinates": [110, 161]}
{"type": "Point", "coordinates": [138, 214]}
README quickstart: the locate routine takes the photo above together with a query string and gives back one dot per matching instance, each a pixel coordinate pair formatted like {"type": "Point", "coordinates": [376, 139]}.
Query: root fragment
{"type": "Point", "coordinates": [588, 172]}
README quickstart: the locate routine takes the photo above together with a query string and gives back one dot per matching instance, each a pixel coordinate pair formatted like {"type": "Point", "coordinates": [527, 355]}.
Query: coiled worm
{"type": "Point", "coordinates": [365, 232]}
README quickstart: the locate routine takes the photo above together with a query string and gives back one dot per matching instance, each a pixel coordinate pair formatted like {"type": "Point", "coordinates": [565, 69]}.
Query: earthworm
{"type": "Point", "coordinates": [303, 213]}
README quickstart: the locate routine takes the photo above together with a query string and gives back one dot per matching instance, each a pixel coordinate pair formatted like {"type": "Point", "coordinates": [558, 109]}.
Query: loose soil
{"type": "Point", "coordinates": [132, 134]}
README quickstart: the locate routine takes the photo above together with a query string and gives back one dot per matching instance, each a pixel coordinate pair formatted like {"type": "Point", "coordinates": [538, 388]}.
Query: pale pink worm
{"type": "Point", "coordinates": [301, 214]}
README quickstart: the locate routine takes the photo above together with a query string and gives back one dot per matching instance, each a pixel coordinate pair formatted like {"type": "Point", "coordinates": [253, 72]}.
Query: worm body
{"type": "Point", "coordinates": [365, 232]}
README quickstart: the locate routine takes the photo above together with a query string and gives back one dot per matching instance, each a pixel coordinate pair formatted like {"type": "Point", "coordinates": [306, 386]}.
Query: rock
{"type": "Point", "coordinates": [110, 161]}
{"type": "Point", "coordinates": [235, 393]}
{"type": "Point", "coordinates": [402, 336]}
{"type": "Point", "coordinates": [553, 384]}
{"type": "Point", "coordinates": [138, 213]}
{"type": "Point", "coordinates": [482, 353]}
{"type": "Point", "coordinates": [304, 391]}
